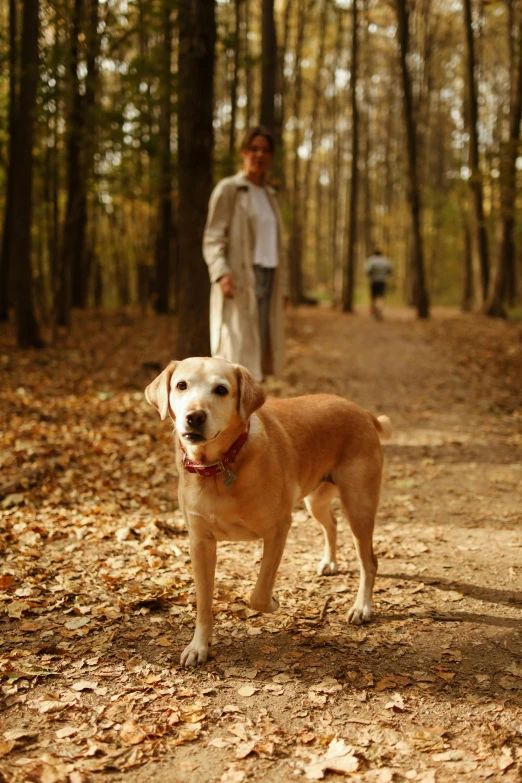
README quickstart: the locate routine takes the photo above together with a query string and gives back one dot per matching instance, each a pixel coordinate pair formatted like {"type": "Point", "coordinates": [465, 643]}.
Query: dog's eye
{"type": "Point", "coordinates": [221, 390]}
{"type": "Point", "coordinates": [181, 386]}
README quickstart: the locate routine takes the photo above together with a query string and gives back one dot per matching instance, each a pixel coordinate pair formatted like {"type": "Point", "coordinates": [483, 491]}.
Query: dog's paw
{"type": "Point", "coordinates": [358, 615]}
{"type": "Point", "coordinates": [263, 606]}
{"type": "Point", "coordinates": [327, 568]}
{"type": "Point", "coordinates": [194, 655]}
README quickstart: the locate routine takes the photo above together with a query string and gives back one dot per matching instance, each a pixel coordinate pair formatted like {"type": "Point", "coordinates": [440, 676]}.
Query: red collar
{"type": "Point", "coordinates": [217, 467]}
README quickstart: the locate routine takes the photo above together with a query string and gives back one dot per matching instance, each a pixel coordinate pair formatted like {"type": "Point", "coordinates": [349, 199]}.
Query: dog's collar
{"type": "Point", "coordinates": [217, 467]}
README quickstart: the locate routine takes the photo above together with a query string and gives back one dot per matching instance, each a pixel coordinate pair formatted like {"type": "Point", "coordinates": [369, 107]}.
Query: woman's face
{"type": "Point", "coordinates": [257, 158]}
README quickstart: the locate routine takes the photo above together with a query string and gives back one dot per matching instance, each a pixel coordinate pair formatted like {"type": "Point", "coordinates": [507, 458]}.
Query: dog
{"type": "Point", "coordinates": [245, 461]}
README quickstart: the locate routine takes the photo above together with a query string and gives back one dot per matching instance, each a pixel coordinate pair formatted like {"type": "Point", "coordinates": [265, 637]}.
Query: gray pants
{"type": "Point", "coordinates": [264, 282]}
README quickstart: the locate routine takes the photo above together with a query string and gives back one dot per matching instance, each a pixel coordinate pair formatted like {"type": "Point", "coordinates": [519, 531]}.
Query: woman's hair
{"type": "Point", "coordinates": [258, 130]}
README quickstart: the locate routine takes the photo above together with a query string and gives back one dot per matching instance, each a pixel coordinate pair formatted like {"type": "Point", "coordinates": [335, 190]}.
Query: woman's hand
{"type": "Point", "coordinates": [227, 285]}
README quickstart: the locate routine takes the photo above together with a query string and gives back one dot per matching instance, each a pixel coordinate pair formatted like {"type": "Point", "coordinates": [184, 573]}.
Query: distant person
{"type": "Point", "coordinates": [378, 268]}
{"type": "Point", "coordinates": [243, 248]}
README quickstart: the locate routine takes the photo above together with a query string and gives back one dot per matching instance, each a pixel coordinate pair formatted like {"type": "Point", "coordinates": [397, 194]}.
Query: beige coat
{"type": "Point", "coordinates": [228, 247]}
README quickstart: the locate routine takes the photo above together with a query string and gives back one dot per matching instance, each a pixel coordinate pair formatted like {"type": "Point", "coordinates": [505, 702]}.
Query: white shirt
{"type": "Point", "coordinates": [378, 268]}
{"type": "Point", "coordinates": [265, 253]}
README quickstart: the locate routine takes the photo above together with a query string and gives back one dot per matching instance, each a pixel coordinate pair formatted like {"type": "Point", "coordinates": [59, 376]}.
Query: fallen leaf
{"type": "Point", "coordinates": [6, 747]}
{"type": "Point", "coordinates": [247, 690]}
{"type": "Point", "coordinates": [66, 731]}
{"type": "Point", "coordinates": [17, 608]}
{"type": "Point", "coordinates": [396, 704]}
{"type": "Point", "coordinates": [233, 775]}
{"type": "Point", "coordinates": [164, 641]}
{"type": "Point", "coordinates": [338, 758]}
{"type": "Point", "coordinates": [17, 735]}
{"type": "Point", "coordinates": [77, 622]}
{"type": "Point", "coordinates": [131, 733]}
{"type": "Point", "coordinates": [84, 685]}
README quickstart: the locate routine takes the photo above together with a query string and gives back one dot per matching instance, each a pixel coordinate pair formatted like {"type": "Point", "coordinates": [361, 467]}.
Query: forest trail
{"type": "Point", "coordinates": [98, 594]}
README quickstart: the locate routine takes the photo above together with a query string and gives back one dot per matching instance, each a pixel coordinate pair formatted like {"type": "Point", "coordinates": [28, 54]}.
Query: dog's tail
{"type": "Point", "coordinates": [383, 426]}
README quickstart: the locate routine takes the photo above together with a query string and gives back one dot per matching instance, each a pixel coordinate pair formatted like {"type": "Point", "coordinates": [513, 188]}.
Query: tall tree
{"type": "Point", "coordinates": [164, 235]}
{"type": "Point", "coordinates": [420, 293]}
{"type": "Point", "coordinates": [296, 231]}
{"type": "Point", "coordinates": [234, 82]}
{"type": "Point", "coordinates": [317, 93]}
{"type": "Point", "coordinates": [197, 36]}
{"type": "Point", "coordinates": [28, 332]}
{"type": "Point", "coordinates": [5, 258]}
{"type": "Point", "coordinates": [503, 286]}
{"type": "Point", "coordinates": [72, 255]}
{"type": "Point", "coordinates": [480, 237]}
{"type": "Point", "coordinates": [268, 65]}
{"type": "Point", "coordinates": [350, 267]}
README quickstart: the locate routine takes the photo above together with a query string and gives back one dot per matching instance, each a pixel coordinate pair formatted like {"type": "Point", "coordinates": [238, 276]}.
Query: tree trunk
{"type": "Point", "coordinates": [333, 205]}
{"type": "Point", "coordinates": [28, 332]}
{"type": "Point", "coordinates": [479, 234]}
{"type": "Point", "coordinates": [350, 268]}
{"type": "Point", "coordinates": [163, 240]}
{"type": "Point", "coordinates": [316, 103]}
{"type": "Point", "coordinates": [5, 265]}
{"type": "Point", "coordinates": [249, 109]}
{"type": "Point", "coordinates": [296, 239]}
{"type": "Point", "coordinates": [74, 228]}
{"type": "Point", "coordinates": [89, 145]}
{"type": "Point", "coordinates": [197, 36]}
{"type": "Point", "coordinates": [420, 293]}
{"type": "Point", "coordinates": [234, 85]}
{"type": "Point", "coordinates": [504, 281]}
{"type": "Point", "coordinates": [268, 65]}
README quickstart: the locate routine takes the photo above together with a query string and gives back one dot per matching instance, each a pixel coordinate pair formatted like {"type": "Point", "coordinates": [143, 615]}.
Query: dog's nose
{"type": "Point", "coordinates": [196, 418]}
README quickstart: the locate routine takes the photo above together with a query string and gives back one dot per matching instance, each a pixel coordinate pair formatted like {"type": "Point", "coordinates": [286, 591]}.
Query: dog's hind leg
{"type": "Point", "coordinates": [318, 504]}
{"type": "Point", "coordinates": [360, 506]}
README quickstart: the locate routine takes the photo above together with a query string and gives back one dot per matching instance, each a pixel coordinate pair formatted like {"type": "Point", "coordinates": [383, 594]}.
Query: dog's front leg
{"type": "Point", "coordinates": [203, 556]}
{"type": "Point", "coordinates": [262, 599]}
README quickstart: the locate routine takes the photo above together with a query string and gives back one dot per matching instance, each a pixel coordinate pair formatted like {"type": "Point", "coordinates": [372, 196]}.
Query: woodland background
{"type": "Point", "coordinates": [397, 124]}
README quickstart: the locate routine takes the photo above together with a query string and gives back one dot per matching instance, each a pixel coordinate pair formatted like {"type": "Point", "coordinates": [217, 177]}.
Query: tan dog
{"type": "Point", "coordinates": [243, 466]}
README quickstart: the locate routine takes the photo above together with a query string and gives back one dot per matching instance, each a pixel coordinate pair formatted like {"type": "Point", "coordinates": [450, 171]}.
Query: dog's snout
{"type": "Point", "coordinates": [196, 418]}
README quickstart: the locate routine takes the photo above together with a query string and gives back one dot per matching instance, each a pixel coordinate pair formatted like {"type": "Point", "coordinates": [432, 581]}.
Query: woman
{"type": "Point", "coordinates": [242, 246]}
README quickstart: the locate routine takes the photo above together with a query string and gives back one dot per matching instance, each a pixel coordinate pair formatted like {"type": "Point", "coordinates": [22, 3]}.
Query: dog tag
{"type": "Point", "coordinates": [229, 478]}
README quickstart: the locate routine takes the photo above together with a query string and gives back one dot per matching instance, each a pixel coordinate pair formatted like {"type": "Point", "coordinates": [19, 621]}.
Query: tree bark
{"type": "Point", "coordinates": [197, 36]}
{"type": "Point", "coordinates": [74, 228]}
{"type": "Point", "coordinates": [5, 259]}
{"type": "Point", "coordinates": [504, 282]}
{"type": "Point", "coordinates": [350, 268]}
{"type": "Point", "coordinates": [316, 103]}
{"type": "Point", "coordinates": [234, 84]}
{"type": "Point", "coordinates": [28, 332]}
{"type": "Point", "coordinates": [296, 231]}
{"type": "Point", "coordinates": [420, 293]}
{"type": "Point", "coordinates": [163, 240]}
{"type": "Point", "coordinates": [480, 236]}
{"type": "Point", "coordinates": [268, 65]}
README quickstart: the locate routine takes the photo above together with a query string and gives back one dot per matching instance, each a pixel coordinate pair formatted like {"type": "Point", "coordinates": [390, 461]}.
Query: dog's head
{"type": "Point", "coordinates": [205, 397]}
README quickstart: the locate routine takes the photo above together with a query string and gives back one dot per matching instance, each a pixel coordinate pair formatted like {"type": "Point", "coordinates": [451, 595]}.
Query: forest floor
{"type": "Point", "coordinates": [98, 598]}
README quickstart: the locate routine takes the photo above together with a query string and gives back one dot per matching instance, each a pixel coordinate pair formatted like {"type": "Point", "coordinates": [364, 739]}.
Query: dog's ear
{"type": "Point", "coordinates": [251, 394]}
{"type": "Point", "coordinates": [157, 392]}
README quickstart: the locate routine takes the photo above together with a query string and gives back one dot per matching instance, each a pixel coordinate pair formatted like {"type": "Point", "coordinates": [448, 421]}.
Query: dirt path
{"type": "Point", "coordinates": [99, 599]}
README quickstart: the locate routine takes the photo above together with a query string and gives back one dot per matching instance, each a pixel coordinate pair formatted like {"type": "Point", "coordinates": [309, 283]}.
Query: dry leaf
{"type": "Point", "coordinates": [6, 747]}
{"type": "Point", "coordinates": [84, 685]}
{"type": "Point", "coordinates": [396, 704]}
{"type": "Point", "coordinates": [233, 775]}
{"type": "Point", "coordinates": [338, 758]}
{"type": "Point", "coordinates": [164, 641]}
{"type": "Point", "coordinates": [131, 733]}
{"type": "Point", "coordinates": [66, 731]}
{"type": "Point", "coordinates": [245, 749]}
{"type": "Point", "coordinates": [247, 690]}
